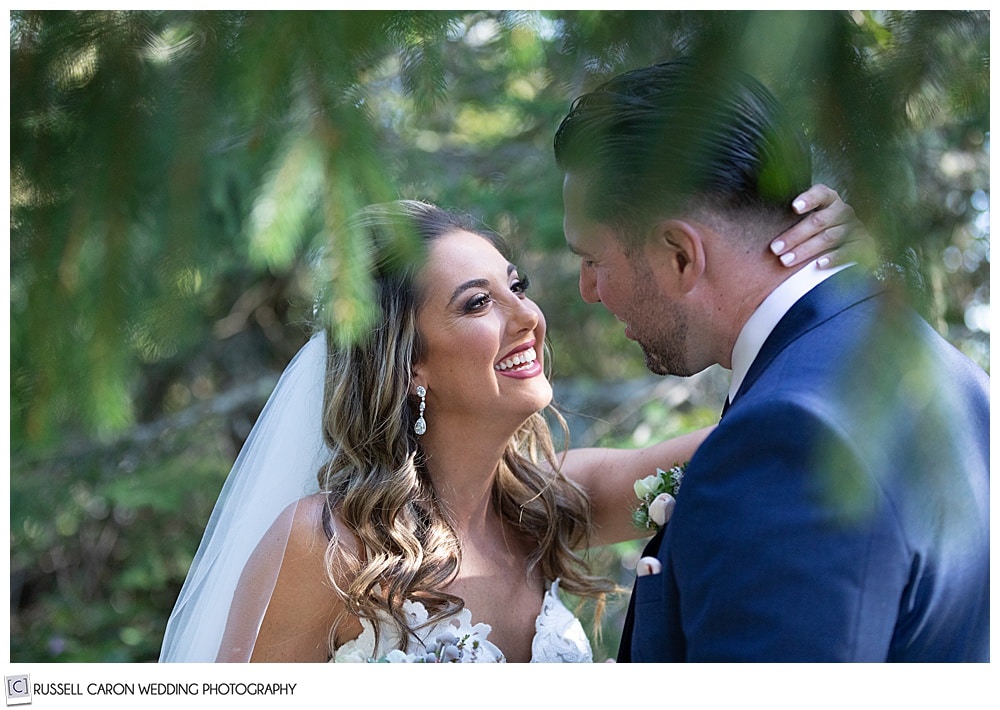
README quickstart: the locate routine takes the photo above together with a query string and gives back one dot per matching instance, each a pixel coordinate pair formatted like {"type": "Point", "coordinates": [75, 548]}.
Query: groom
{"type": "Point", "coordinates": [840, 510]}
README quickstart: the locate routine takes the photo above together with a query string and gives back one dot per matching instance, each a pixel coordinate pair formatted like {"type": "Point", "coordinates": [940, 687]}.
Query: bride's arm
{"type": "Point", "coordinates": [284, 586]}
{"type": "Point", "coordinates": [608, 476]}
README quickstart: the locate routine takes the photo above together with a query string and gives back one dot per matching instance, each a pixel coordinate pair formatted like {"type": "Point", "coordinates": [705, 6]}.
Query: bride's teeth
{"type": "Point", "coordinates": [522, 358]}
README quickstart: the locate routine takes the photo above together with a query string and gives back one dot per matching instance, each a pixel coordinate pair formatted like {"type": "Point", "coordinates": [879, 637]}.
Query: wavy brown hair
{"type": "Point", "coordinates": [376, 481]}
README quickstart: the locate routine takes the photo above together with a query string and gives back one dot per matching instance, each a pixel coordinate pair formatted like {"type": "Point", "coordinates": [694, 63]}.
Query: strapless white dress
{"type": "Point", "coordinates": [559, 638]}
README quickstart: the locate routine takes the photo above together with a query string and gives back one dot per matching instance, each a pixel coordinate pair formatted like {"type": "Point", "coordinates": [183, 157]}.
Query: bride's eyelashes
{"type": "Point", "coordinates": [479, 301]}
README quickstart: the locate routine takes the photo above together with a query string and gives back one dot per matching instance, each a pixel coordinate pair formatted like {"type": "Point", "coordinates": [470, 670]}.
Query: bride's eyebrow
{"type": "Point", "coordinates": [475, 283]}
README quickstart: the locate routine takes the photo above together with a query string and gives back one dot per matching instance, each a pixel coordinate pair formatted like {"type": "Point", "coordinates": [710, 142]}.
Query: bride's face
{"type": "Point", "coordinates": [482, 336]}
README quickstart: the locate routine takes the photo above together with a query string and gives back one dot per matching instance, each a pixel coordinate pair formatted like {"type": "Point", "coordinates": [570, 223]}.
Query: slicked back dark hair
{"type": "Point", "coordinates": [656, 141]}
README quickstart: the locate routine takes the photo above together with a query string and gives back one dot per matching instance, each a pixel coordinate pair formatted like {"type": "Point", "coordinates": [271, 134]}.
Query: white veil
{"type": "Point", "coordinates": [276, 467]}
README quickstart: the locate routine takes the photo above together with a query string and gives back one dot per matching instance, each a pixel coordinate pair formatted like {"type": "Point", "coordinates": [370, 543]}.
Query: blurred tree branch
{"type": "Point", "coordinates": [164, 164]}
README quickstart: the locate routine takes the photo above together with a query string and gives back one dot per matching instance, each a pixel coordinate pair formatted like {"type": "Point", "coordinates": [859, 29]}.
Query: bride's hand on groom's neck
{"type": "Point", "coordinates": [829, 232]}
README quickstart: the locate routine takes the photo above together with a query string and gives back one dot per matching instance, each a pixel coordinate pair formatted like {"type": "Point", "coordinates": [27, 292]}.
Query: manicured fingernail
{"type": "Point", "coordinates": [788, 258]}
{"type": "Point", "coordinates": [777, 246]}
{"type": "Point", "coordinates": [799, 206]}
{"type": "Point", "coordinates": [823, 262]}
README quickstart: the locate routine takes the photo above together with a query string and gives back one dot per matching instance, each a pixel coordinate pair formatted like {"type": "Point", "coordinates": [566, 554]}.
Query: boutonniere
{"type": "Point", "coordinates": [657, 494]}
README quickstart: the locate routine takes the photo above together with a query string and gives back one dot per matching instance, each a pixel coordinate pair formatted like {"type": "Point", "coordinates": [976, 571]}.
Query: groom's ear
{"type": "Point", "coordinates": [677, 252]}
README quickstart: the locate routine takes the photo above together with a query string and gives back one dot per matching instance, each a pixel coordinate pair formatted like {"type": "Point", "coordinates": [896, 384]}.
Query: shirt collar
{"type": "Point", "coordinates": [769, 312]}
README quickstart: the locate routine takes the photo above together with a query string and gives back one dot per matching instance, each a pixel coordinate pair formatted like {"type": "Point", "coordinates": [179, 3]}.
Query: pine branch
{"type": "Point", "coordinates": [224, 405]}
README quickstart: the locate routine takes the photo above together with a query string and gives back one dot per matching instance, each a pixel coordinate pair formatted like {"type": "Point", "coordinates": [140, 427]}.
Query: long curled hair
{"type": "Point", "coordinates": [376, 480]}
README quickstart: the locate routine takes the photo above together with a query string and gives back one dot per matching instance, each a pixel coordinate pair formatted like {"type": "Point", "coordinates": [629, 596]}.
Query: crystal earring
{"type": "Point", "coordinates": [420, 426]}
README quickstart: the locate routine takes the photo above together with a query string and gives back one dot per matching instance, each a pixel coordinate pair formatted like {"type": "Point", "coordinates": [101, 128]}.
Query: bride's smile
{"type": "Point", "coordinates": [481, 337]}
{"type": "Point", "coordinates": [523, 362]}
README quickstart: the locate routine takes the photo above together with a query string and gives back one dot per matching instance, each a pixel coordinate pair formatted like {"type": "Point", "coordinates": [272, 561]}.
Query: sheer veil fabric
{"type": "Point", "coordinates": [277, 466]}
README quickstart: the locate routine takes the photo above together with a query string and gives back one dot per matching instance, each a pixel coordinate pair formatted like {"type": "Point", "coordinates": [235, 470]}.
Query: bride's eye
{"type": "Point", "coordinates": [521, 285]}
{"type": "Point", "coordinates": [477, 302]}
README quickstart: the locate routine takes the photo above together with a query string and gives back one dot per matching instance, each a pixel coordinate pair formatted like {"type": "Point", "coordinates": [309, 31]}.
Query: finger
{"type": "Point", "coordinates": [816, 197]}
{"type": "Point", "coordinates": [856, 251]}
{"type": "Point", "coordinates": [841, 244]}
{"type": "Point", "coordinates": [814, 225]}
{"type": "Point", "coordinates": [819, 243]}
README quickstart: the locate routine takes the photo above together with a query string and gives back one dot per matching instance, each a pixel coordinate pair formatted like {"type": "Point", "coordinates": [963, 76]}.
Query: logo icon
{"type": "Point", "coordinates": [18, 689]}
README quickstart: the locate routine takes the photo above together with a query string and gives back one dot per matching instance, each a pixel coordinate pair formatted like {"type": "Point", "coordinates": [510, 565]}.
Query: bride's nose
{"type": "Point", "coordinates": [525, 316]}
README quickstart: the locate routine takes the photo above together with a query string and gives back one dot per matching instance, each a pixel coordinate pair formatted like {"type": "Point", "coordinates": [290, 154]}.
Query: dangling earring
{"type": "Point", "coordinates": [420, 426]}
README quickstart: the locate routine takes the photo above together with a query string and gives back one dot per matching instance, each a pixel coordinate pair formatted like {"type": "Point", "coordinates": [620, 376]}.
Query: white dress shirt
{"type": "Point", "coordinates": [769, 312]}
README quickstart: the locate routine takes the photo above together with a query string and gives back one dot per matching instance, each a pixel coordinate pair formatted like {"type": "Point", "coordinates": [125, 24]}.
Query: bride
{"type": "Point", "coordinates": [398, 493]}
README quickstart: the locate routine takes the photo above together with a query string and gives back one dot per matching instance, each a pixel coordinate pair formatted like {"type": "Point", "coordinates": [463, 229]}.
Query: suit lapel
{"type": "Point", "coordinates": [828, 299]}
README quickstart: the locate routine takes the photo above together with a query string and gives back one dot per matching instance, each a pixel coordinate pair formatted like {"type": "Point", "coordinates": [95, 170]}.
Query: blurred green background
{"type": "Point", "coordinates": [173, 174]}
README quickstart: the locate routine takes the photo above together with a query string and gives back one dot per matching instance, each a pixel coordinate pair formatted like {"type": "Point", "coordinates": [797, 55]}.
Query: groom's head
{"type": "Point", "coordinates": [677, 177]}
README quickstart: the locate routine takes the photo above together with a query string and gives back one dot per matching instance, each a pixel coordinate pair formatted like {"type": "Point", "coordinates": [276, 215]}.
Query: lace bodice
{"type": "Point", "coordinates": [559, 638]}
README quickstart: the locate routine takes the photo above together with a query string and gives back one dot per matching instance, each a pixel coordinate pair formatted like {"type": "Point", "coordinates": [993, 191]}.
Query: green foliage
{"type": "Point", "coordinates": [180, 182]}
{"type": "Point", "coordinates": [154, 153]}
{"type": "Point", "coordinates": [101, 543]}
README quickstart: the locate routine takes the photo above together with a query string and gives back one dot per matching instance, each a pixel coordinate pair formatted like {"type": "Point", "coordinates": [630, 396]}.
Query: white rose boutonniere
{"type": "Point", "coordinates": [657, 494]}
{"type": "Point", "coordinates": [661, 508]}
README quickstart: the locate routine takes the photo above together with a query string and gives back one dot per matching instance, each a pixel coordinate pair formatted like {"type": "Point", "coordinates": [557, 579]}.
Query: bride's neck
{"type": "Point", "coordinates": [462, 471]}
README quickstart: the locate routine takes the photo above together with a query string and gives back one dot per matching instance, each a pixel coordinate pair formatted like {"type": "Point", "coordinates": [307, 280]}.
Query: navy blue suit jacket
{"type": "Point", "coordinates": [840, 511]}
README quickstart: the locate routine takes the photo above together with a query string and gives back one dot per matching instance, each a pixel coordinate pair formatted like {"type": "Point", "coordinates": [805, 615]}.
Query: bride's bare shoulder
{"type": "Point", "coordinates": [312, 522]}
{"type": "Point", "coordinates": [303, 604]}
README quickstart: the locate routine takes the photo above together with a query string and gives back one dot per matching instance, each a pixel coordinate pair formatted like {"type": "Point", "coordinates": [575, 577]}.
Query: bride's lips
{"type": "Point", "coordinates": [520, 363]}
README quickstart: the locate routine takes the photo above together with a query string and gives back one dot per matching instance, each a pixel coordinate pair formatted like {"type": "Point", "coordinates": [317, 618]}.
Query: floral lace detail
{"type": "Point", "coordinates": [475, 647]}
{"type": "Point", "coordinates": [559, 638]}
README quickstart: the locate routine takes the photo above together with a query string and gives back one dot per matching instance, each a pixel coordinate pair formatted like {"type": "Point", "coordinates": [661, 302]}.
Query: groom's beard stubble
{"type": "Point", "coordinates": [662, 360]}
{"type": "Point", "coordinates": [659, 327]}
{"type": "Point", "coordinates": [664, 348]}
